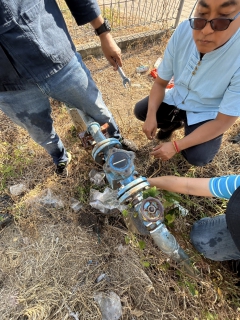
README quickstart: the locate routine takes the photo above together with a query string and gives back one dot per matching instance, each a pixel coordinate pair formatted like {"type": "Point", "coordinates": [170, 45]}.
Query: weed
{"type": "Point", "coordinates": [73, 131]}
{"type": "Point", "coordinates": [192, 288]}
{"type": "Point", "coordinates": [133, 240]}
{"type": "Point", "coordinates": [12, 163]}
{"type": "Point", "coordinates": [210, 316]}
{"type": "Point", "coordinates": [145, 264]}
{"type": "Point", "coordinates": [125, 213]}
{"type": "Point", "coordinates": [83, 193]}
{"type": "Point", "coordinates": [151, 192]}
{"type": "Point", "coordinates": [142, 244]}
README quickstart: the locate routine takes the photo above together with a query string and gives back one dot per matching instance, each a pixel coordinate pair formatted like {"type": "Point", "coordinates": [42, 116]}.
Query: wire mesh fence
{"type": "Point", "coordinates": [132, 13]}
{"type": "Point", "coordinates": [127, 17]}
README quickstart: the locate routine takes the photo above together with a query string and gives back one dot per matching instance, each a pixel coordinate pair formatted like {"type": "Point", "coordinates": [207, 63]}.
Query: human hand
{"type": "Point", "coordinates": [111, 50]}
{"type": "Point", "coordinates": [150, 127]}
{"type": "Point", "coordinates": [163, 151]}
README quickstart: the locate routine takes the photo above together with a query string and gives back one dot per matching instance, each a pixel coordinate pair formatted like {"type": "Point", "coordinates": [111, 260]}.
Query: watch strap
{"type": "Point", "coordinates": [103, 28]}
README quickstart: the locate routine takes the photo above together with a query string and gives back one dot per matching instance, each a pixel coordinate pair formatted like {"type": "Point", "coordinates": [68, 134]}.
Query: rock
{"type": "Point", "coordinates": [18, 189]}
{"type": "Point", "coordinates": [110, 305]}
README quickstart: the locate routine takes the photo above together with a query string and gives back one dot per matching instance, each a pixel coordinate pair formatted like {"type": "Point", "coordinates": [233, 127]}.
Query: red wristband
{"type": "Point", "coordinates": [176, 146]}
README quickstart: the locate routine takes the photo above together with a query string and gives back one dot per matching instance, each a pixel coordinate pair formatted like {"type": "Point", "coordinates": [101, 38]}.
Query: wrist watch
{"type": "Point", "coordinates": [103, 28]}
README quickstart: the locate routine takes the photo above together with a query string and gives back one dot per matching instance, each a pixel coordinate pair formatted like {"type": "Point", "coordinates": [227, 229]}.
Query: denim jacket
{"type": "Point", "coordinates": [34, 40]}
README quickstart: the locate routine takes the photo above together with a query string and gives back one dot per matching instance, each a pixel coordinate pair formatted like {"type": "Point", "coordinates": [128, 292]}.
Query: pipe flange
{"type": "Point", "coordinates": [132, 185]}
{"type": "Point", "coordinates": [101, 148]}
{"type": "Point", "coordinates": [126, 193]}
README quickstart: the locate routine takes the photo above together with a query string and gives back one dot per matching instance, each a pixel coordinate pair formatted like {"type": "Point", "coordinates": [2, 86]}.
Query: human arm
{"type": "Point", "coordinates": [207, 131]}
{"type": "Point", "coordinates": [88, 11]}
{"type": "Point", "coordinates": [221, 187]}
{"type": "Point", "coordinates": [155, 99]}
{"type": "Point", "coordinates": [203, 133]}
{"type": "Point", "coordinates": [193, 186]}
{"type": "Point", "coordinates": [110, 49]}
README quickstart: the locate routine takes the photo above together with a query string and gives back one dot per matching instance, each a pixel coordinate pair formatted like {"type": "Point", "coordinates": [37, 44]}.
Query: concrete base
{"type": "Point", "coordinates": [94, 48]}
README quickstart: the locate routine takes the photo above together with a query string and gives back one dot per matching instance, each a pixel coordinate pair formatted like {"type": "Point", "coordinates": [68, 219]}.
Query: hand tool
{"type": "Point", "coordinates": [124, 78]}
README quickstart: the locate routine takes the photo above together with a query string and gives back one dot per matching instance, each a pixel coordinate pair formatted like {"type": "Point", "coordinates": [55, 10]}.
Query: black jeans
{"type": "Point", "coordinates": [198, 155]}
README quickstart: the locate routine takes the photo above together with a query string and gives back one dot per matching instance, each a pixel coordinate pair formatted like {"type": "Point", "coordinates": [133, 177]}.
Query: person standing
{"type": "Point", "coordinates": [38, 61]}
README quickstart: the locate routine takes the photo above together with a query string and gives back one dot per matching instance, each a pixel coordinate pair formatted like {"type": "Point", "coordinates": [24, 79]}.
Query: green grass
{"type": "Point", "coordinates": [12, 162]}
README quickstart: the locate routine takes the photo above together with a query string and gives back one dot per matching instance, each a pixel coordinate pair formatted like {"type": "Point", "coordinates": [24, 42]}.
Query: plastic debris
{"type": "Point", "coordinates": [157, 63]}
{"type": "Point", "coordinates": [122, 249]}
{"type": "Point", "coordinates": [142, 69]}
{"type": "Point", "coordinates": [182, 211]}
{"type": "Point", "coordinates": [110, 305]}
{"type": "Point", "coordinates": [75, 205]}
{"type": "Point", "coordinates": [92, 263]}
{"type": "Point", "coordinates": [18, 189]}
{"type": "Point", "coordinates": [73, 314]}
{"type": "Point", "coordinates": [102, 277]}
{"type": "Point", "coordinates": [50, 200]}
{"type": "Point", "coordinates": [105, 201]}
{"type": "Point", "coordinates": [97, 177]}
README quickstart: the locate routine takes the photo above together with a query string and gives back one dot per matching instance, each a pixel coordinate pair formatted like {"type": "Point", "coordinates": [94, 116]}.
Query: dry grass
{"type": "Point", "coordinates": [51, 258]}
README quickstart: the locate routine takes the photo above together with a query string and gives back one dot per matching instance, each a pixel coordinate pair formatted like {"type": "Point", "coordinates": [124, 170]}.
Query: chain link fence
{"type": "Point", "coordinates": [127, 17]}
{"type": "Point", "coordinates": [132, 13]}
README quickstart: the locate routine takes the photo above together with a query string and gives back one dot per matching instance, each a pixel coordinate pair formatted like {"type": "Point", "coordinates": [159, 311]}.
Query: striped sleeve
{"type": "Point", "coordinates": [223, 187]}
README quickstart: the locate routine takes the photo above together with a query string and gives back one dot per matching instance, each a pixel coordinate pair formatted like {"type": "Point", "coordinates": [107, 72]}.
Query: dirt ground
{"type": "Point", "coordinates": [51, 258]}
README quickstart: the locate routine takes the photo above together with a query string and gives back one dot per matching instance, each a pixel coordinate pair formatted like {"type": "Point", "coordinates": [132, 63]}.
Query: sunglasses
{"type": "Point", "coordinates": [217, 24]}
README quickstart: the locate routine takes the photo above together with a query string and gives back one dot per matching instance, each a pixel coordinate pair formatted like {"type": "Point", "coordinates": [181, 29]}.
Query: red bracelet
{"type": "Point", "coordinates": [176, 146]}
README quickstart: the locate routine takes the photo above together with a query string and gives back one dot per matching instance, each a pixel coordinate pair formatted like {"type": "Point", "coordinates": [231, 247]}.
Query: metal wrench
{"type": "Point", "coordinates": [124, 78]}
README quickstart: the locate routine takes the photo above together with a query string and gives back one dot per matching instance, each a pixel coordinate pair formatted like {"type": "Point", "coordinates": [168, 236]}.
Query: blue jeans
{"type": "Point", "coordinates": [72, 85]}
{"type": "Point", "coordinates": [210, 236]}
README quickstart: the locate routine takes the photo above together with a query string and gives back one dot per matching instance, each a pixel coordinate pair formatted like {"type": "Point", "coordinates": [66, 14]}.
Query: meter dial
{"type": "Point", "coordinates": [119, 161]}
